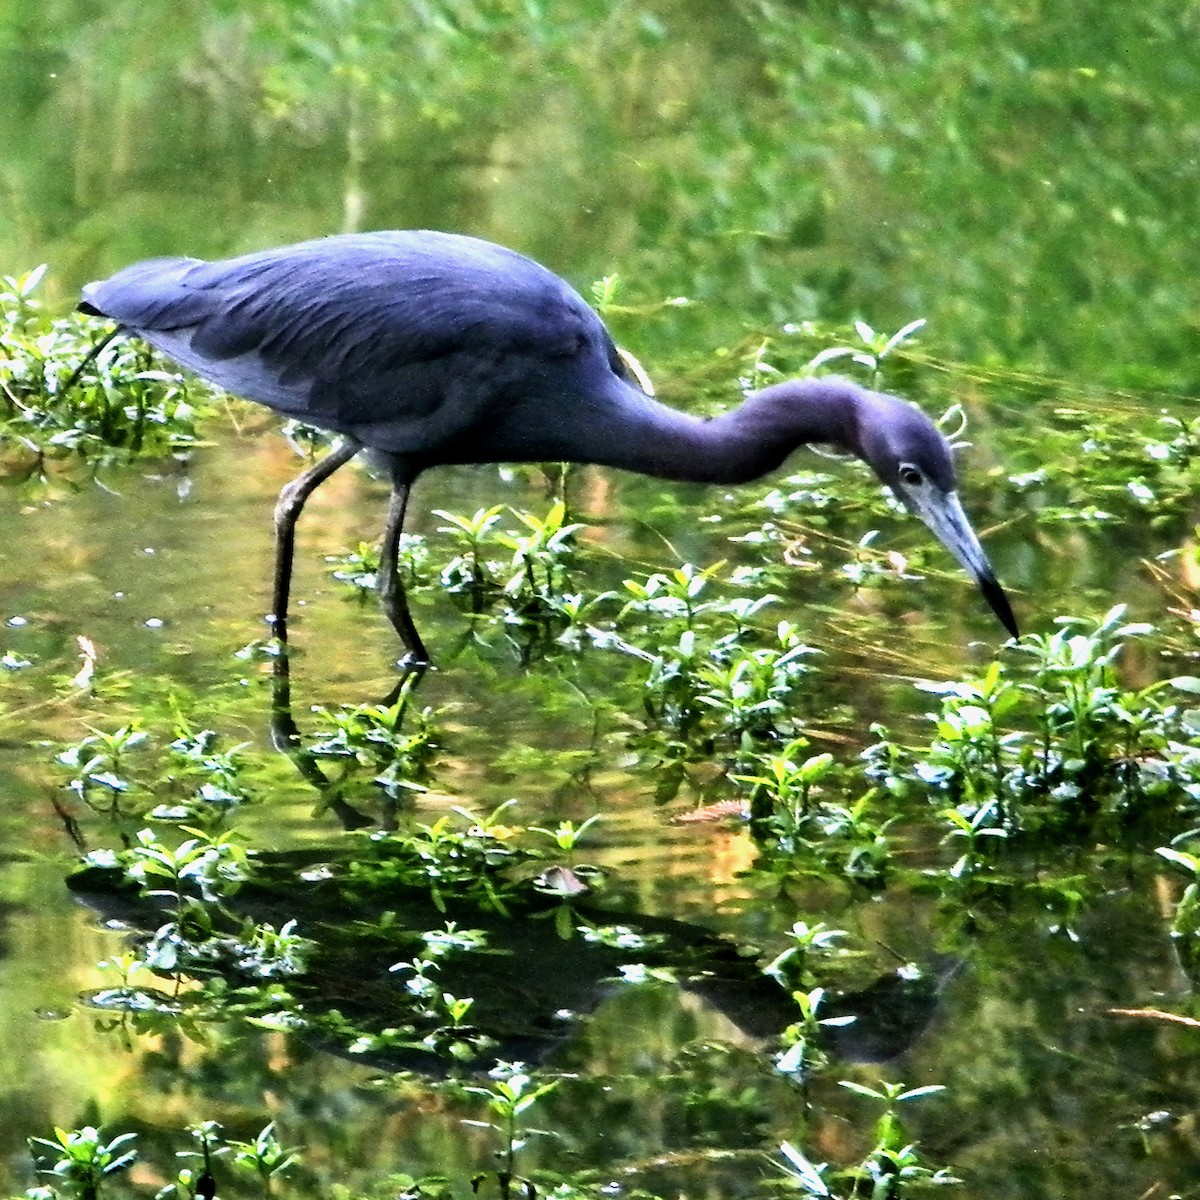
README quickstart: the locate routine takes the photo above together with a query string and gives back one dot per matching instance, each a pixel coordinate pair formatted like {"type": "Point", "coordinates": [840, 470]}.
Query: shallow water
{"type": "Point", "coordinates": [650, 146]}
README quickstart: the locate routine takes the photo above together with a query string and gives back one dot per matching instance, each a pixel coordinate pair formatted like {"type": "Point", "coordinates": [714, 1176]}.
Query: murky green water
{"type": "Point", "coordinates": [1023, 177]}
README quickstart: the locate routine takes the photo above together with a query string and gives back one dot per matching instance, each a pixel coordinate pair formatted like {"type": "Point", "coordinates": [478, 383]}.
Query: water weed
{"type": "Point", "coordinates": [85, 1163]}
{"type": "Point", "coordinates": [1054, 742]}
{"type": "Point", "coordinates": [125, 404]}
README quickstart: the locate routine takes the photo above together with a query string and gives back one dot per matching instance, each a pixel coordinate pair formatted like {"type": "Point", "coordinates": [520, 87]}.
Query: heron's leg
{"type": "Point", "coordinates": [287, 509]}
{"type": "Point", "coordinates": [391, 590]}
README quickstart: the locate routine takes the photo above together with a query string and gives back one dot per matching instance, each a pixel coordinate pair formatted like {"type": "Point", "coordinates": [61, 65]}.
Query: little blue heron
{"type": "Point", "coordinates": [424, 348]}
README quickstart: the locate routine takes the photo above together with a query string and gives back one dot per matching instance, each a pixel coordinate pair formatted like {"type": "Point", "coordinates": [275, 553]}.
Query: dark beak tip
{"type": "Point", "coordinates": [997, 599]}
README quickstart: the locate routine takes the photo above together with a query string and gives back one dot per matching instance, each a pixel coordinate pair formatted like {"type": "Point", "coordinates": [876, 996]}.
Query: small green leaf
{"type": "Point", "coordinates": [808, 1174]}
{"type": "Point", "coordinates": [860, 1090]}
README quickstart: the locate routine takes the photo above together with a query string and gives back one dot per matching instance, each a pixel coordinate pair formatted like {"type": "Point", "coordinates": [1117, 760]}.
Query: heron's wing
{"type": "Point", "coordinates": [363, 330]}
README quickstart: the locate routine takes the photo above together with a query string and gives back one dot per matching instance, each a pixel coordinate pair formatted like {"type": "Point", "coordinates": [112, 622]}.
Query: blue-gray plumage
{"type": "Point", "coordinates": [427, 348]}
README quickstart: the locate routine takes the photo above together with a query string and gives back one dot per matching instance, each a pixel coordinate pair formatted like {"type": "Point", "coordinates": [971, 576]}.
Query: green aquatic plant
{"type": "Point", "coordinates": [266, 1157]}
{"type": "Point", "coordinates": [711, 683]}
{"type": "Point", "coordinates": [872, 353]}
{"type": "Point", "coordinates": [893, 1169]}
{"type": "Point", "coordinates": [671, 600]}
{"type": "Point", "coordinates": [511, 1094]}
{"type": "Point", "coordinates": [82, 1160]}
{"type": "Point", "coordinates": [889, 1132]}
{"type": "Point", "coordinates": [968, 756]}
{"type": "Point", "coordinates": [1052, 742]}
{"type": "Point", "coordinates": [1185, 925]}
{"type": "Point", "coordinates": [470, 571]}
{"type": "Point", "coordinates": [359, 568]}
{"type": "Point", "coordinates": [160, 766]}
{"type": "Point", "coordinates": [782, 789]}
{"type": "Point", "coordinates": [99, 763]}
{"type": "Point", "coordinates": [459, 854]}
{"type": "Point", "coordinates": [566, 835]}
{"type": "Point", "coordinates": [209, 865]}
{"type": "Point", "coordinates": [803, 820]}
{"type": "Point", "coordinates": [189, 1183]}
{"type": "Point", "coordinates": [1106, 463]}
{"type": "Point", "coordinates": [798, 1173]}
{"type": "Point", "coordinates": [793, 967]}
{"type": "Point", "coordinates": [751, 693]}
{"type": "Point", "coordinates": [971, 828]}
{"type": "Point", "coordinates": [435, 1019]}
{"type": "Point", "coordinates": [390, 747]}
{"type": "Point", "coordinates": [532, 583]}
{"type": "Point", "coordinates": [265, 952]}
{"type": "Point", "coordinates": [215, 779]}
{"type": "Point", "coordinates": [190, 880]}
{"type": "Point", "coordinates": [541, 558]}
{"type": "Point", "coordinates": [796, 968]}
{"type": "Point", "coordinates": [122, 404]}
{"type": "Point", "coordinates": [803, 1056]}
{"type": "Point", "coordinates": [572, 619]}
{"type": "Point", "coordinates": [193, 883]}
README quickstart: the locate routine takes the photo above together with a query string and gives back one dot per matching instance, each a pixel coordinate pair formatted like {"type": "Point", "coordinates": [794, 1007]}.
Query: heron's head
{"type": "Point", "coordinates": [913, 458]}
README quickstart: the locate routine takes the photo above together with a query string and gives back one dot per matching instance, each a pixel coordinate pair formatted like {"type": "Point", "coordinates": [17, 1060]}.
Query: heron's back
{"type": "Point", "coordinates": [397, 337]}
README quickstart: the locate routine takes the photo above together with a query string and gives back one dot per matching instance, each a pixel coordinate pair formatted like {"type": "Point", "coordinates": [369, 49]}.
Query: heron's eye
{"type": "Point", "coordinates": [911, 475]}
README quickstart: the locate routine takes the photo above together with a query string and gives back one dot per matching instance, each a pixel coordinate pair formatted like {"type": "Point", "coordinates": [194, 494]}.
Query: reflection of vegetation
{"type": "Point", "coordinates": [992, 171]}
{"type": "Point", "coordinates": [1011, 173]}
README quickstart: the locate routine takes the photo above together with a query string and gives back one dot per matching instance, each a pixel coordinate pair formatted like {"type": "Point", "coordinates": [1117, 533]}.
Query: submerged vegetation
{"type": "Point", "coordinates": [1035, 776]}
{"type": "Point", "coordinates": [727, 851]}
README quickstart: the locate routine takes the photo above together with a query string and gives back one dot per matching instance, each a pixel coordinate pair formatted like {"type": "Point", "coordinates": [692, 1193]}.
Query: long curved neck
{"type": "Point", "coordinates": [743, 444]}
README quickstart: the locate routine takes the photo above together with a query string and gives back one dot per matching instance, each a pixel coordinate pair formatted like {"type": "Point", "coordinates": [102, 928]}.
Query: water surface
{"type": "Point", "coordinates": [1021, 178]}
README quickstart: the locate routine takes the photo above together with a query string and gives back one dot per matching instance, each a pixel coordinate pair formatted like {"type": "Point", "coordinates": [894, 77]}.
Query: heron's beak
{"type": "Point", "coordinates": [944, 515]}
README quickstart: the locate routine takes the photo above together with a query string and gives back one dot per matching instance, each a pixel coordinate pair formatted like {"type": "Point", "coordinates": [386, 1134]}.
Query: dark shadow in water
{"type": "Point", "coordinates": [540, 969]}
{"type": "Point", "coordinates": [890, 1013]}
